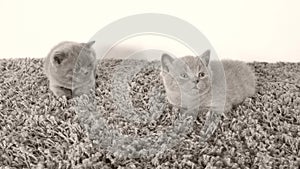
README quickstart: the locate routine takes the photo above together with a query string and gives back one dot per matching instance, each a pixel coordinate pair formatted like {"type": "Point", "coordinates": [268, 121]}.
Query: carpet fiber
{"type": "Point", "coordinates": [122, 124]}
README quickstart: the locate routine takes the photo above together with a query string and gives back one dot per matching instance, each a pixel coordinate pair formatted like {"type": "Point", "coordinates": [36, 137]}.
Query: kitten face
{"type": "Point", "coordinates": [185, 77]}
{"type": "Point", "coordinates": [73, 61]}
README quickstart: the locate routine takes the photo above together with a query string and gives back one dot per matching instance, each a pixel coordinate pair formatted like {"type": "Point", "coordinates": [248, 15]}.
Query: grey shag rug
{"type": "Point", "coordinates": [127, 122]}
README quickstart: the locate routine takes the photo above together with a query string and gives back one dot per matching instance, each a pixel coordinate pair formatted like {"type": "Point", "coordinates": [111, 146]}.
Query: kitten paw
{"type": "Point", "coordinates": [61, 91]}
{"type": "Point", "coordinates": [210, 125]}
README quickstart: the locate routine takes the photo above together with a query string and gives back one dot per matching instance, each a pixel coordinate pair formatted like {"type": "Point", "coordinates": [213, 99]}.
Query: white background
{"type": "Point", "coordinates": [260, 30]}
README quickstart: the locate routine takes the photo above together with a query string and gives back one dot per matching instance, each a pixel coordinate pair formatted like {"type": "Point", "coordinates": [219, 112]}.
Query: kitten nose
{"type": "Point", "coordinates": [196, 80]}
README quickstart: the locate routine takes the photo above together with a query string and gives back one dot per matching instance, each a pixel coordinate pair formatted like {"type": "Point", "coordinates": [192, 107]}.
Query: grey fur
{"type": "Point", "coordinates": [195, 90]}
{"type": "Point", "coordinates": [70, 67]}
{"type": "Point", "coordinates": [185, 86]}
{"type": "Point", "coordinates": [180, 77]}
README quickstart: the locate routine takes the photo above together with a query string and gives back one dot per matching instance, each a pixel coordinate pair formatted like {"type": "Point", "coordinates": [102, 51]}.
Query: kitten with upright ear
{"type": "Point", "coordinates": [89, 44]}
{"type": "Point", "coordinates": [196, 86]}
{"type": "Point", "coordinates": [205, 57]}
{"type": "Point", "coordinates": [166, 62]}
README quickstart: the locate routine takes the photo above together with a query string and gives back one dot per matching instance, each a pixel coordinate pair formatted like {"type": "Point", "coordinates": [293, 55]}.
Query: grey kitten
{"type": "Point", "coordinates": [188, 84]}
{"type": "Point", "coordinates": [70, 68]}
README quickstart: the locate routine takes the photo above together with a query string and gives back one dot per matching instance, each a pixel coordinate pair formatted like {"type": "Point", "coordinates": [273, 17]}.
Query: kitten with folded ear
{"type": "Point", "coordinates": [70, 68]}
{"type": "Point", "coordinates": [188, 84]}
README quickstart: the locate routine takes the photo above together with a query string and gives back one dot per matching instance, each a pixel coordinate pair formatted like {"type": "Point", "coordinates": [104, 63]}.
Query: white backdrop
{"type": "Point", "coordinates": [257, 30]}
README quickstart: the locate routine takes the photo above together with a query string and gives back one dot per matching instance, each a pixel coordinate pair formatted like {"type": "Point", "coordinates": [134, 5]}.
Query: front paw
{"type": "Point", "coordinates": [83, 90]}
{"type": "Point", "coordinates": [79, 92]}
{"type": "Point", "coordinates": [61, 91]}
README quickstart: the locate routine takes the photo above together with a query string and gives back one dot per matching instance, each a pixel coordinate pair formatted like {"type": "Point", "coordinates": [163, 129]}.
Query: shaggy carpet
{"type": "Point", "coordinates": [127, 123]}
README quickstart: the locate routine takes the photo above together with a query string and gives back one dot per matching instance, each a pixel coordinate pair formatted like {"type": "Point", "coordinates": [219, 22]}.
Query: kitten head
{"type": "Point", "coordinates": [186, 78]}
{"type": "Point", "coordinates": [72, 61]}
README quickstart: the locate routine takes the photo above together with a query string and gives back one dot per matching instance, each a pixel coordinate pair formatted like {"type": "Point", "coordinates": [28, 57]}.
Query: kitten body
{"type": "Point", "coordinates": [70, 67]}
{"type": "Point", "coordinates": [188, 81]}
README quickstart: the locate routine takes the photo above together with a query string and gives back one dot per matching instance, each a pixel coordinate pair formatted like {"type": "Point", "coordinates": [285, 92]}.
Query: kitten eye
{"type": "Point", "coordinates": [201, 74]}
{"type": "Point", "coordinates": [183, 75]}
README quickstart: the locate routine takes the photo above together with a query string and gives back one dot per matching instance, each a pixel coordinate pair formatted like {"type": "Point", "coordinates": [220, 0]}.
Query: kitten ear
{"type": "Point", "coordinates": [59, 57]}
{"type": "Point", "coordinates": [205, 57]}
{"type": "Point", "coordinates": [89, 44]}
{"type": "Point", "coordinates": [166, 62]}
